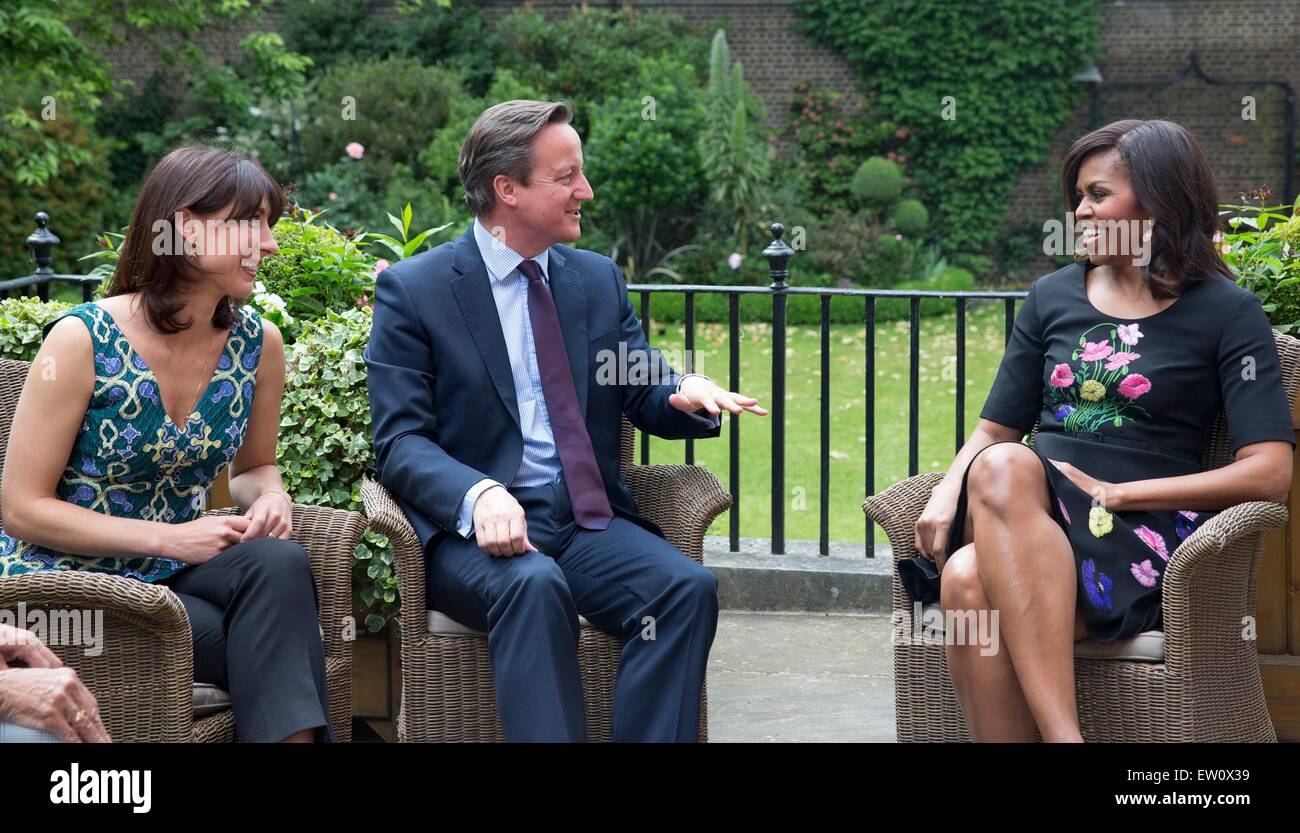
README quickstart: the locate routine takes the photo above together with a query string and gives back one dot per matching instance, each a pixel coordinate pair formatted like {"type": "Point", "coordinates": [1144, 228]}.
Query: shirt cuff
{"type": "Point", "coordinates": [715, 420]}
{"type": "Point", "coordinates": [465, 520]}
{"type": "Point", "coordinates": [687, 376]}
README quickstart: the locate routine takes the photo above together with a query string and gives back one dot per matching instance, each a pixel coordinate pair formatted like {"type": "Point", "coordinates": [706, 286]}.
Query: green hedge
{"type": "Point", "coordinates": [805, 310]}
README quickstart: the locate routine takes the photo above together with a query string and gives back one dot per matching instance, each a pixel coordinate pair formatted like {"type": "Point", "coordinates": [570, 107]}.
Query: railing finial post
{"type": "Point", "coordinates": [778, 256]}
{"type": "Point", "coordinates": [42, 242]}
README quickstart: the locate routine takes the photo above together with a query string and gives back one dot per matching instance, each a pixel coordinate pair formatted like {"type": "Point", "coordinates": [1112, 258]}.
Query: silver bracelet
{"type": "Point", "coordinates": [281, 493]}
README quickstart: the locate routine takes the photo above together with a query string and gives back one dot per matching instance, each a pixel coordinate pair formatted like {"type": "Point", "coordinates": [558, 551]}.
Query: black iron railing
{"type": "Point", "coordinates": [42, 243]}
{"type": "Point", "coordinates": [779, 290]}
{"type": "Point", "coordinates": [779, 255]}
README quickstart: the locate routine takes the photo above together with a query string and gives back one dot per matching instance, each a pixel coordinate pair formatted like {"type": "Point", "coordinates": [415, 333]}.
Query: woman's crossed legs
{"type": "Point", "coordinates": [1025, 571]}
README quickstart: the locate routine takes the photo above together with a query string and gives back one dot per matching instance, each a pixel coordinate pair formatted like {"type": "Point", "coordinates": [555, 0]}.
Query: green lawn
{"type": "Point", "coordinates": [984, 348]}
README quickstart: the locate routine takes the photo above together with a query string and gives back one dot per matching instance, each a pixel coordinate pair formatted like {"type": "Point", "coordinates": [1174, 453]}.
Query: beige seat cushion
{"type": "Point", "coordinates": [1148, 646]}
{"type": "Point", "coordinates": [209, 700]}
{"type": "Point", "coordinates": [440, 623]}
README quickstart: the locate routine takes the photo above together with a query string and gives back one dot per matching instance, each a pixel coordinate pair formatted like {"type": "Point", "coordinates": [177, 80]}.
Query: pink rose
{"type": "Point", "coordinates": [1095, 351]}
{"type": "Point", "coordinates": [1153, 540]}
{"type": "Point", "coordinates": [380, 265]}
{"type": "Point", "coordinates": [1134, 385]}
{"type": "Point", "coordinates": [734, 259]}
{"type": "Point", "coordinates": [1061, 376]}
{"type": "Point", "coordinates": [1121, 359]}
{"type": "Point", "coordinates": [1145, 573]}
{"type": "Point", "coordinates": [354, 150]}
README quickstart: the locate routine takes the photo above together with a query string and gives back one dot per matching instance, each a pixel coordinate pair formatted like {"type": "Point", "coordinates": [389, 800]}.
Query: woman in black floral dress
{"type": "Point", "coordinates": [1125, 359]}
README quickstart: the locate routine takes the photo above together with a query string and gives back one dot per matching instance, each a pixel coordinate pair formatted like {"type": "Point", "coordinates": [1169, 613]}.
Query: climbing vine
{"type": "Point", "coordinates": [980, 87]}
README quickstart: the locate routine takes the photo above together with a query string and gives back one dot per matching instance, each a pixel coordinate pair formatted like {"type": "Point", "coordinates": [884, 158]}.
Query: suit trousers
{"type": "Point", "coordinates": [625, 580]}
{"type": "Point", "coordinates": [253, 614]}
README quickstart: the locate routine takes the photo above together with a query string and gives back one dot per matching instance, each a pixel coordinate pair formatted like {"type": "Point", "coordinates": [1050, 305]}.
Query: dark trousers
{"type": "Point", "coordinates": [625, 580]}
{"type": "Point", "coordinates": [253, 613]}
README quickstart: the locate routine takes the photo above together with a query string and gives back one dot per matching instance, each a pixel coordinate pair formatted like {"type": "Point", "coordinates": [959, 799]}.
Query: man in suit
{"type": "Point", "coordinates": [499, 437]}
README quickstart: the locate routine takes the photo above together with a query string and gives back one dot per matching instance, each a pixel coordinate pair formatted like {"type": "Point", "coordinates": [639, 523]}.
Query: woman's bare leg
{"type": "Point", "coordinates": [986, 684]}
{"type": "Point", "coordinates": [1027, 568]}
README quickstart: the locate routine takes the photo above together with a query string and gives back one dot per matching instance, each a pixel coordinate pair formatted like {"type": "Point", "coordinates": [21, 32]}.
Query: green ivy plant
{"type": "Point", "coordinates": [21, 320]}
{"type": "Point", "coordinates": [980, 87]}
{"type": "Point", "coordinates": [324, 446]}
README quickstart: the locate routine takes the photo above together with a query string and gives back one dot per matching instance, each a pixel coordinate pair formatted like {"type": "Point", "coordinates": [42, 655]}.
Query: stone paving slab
{"type": "Point", "coordinates": [782, 677]}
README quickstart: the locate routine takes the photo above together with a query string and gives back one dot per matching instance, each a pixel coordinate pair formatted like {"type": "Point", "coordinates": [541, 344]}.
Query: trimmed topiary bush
{"type": "Point", "coordinates": [911, 218]}
{"type": "Point", "coordinates": [878, 181]}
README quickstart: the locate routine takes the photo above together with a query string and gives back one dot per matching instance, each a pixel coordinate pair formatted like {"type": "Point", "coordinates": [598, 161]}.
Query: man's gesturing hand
{"type": "Point", "coordinates": [499, 524]}
{"type": "Point", "coordinates": [700, 392]}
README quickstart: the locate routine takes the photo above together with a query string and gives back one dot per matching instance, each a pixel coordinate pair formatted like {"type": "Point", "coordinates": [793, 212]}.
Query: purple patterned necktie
{"type": "Point", "coordinates": [577, 458]}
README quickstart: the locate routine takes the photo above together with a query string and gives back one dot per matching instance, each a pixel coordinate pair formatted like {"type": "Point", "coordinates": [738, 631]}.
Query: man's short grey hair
{"type": "Point", "coordinates": [501, 144]}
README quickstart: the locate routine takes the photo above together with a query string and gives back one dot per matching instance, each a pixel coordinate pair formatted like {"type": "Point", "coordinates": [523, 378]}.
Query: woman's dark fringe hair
{"type": "Point", "coordinates": [1174, 184]}
{"type": "Point", "coordinates": [203, 179]}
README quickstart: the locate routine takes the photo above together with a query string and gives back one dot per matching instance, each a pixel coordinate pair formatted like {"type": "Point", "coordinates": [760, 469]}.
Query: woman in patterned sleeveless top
{"type": "Point", "coordinates": [136, 403]}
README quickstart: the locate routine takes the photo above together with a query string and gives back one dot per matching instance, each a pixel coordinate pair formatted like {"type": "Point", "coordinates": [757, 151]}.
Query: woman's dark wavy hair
{"type": "Point", "coordinates": [1174, 184]}
{"type": "Point", "coordinates": [203, 180]}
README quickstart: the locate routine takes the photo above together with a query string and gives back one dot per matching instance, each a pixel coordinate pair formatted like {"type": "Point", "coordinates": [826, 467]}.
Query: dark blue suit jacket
{"type": "Point", "coordinates": [442, 399]}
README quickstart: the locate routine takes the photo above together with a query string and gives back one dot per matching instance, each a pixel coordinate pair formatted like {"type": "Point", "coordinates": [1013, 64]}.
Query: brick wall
{"type": "Point", "coordinates": [1144, 40]}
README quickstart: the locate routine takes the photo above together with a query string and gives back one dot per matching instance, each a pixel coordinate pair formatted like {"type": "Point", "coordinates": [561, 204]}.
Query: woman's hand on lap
{"type": "Point", "coordinates": [199, 540]}
{"type": "Point", "coordinates": [270, 516]}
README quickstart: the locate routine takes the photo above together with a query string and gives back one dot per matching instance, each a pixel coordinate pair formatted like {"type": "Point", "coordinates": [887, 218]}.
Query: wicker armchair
{"type": "Point", "coordinates": [144, 677]}
{"type": "Point", "coordinates": [447, 689]}
{"type": "Point", "coordinates": [1198, 680]}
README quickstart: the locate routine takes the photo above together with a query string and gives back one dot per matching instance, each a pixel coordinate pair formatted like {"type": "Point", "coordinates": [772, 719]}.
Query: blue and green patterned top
{"type": "Point", "coordinates": [130, 460]}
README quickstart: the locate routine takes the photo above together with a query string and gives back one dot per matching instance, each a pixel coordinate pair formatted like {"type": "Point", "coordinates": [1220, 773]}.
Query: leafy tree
{"type": "Point", "coordinates": [51, 62]}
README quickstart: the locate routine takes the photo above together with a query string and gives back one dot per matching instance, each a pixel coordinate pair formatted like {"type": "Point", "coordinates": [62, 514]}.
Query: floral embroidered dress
{"type": "Point", "coordinates": [1128, 399]}
{"type": "Point", "coordinates": [130, 460]}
